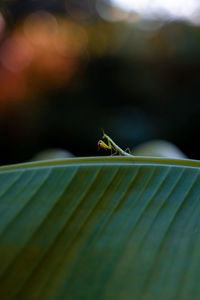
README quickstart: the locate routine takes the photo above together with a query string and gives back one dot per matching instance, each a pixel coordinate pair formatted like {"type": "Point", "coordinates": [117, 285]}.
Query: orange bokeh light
{"type": "Point", "coordinates": [42, 54]}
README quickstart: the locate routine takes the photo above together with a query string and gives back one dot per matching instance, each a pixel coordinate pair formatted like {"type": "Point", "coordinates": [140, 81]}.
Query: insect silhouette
{"type": "Point", "coordinates": [111, 145]}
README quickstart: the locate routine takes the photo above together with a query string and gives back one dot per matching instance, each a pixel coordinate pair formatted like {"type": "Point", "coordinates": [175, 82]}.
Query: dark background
{"type": "Point", "coordinates": [75, 73]}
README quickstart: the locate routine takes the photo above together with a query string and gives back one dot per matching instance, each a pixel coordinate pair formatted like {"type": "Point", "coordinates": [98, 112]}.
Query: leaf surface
{"type": "Point", "coordinates": [100, 228]}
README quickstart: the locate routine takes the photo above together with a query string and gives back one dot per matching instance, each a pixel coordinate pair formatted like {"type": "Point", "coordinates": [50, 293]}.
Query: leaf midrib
{"type": "Point", "coordinates": [105, 160]}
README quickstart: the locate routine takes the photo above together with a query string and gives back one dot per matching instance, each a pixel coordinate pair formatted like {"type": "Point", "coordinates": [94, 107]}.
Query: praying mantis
{"type": "Point", "coordinates": [112, 146]}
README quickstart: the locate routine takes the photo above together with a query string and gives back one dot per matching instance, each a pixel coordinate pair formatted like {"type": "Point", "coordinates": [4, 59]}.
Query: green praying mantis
{"type": "Point", "coordinates": [112, 146]}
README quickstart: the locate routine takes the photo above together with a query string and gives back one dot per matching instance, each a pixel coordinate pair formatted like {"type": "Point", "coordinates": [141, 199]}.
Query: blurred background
{"type": "Point", "coordinates": [71, 67]}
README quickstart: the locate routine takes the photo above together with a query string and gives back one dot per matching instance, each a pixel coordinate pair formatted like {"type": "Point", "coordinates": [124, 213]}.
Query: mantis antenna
{"type": "Point", "coordinates": [111, 146]}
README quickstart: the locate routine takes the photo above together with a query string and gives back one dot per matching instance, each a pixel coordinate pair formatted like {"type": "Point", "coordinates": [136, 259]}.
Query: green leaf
{"type": "Point", "coordinates": [100, 228]}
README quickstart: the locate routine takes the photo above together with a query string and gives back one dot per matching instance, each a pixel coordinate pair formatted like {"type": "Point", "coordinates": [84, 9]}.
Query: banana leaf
{"type": "Point", "coordinates": [100, 228]}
